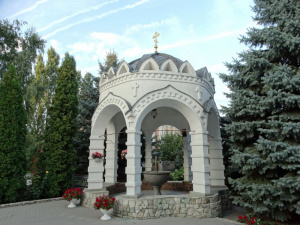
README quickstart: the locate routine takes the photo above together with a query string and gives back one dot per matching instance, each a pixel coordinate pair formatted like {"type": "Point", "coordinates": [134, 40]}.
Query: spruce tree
{"type": "Point", "coordinates": [265, 112]}
{"type": "Point", "coordinates": [12, 138]}
{"type": "Point", "coordinates": [61, 130]}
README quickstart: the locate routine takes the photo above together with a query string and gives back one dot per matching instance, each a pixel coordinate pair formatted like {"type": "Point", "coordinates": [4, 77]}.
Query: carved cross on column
{"type": "Point", "coordinates": [198, 93]}
{"type": "Point", "coordinates": [135, 87]}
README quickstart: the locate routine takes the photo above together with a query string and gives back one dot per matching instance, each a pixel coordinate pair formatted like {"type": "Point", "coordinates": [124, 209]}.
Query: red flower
{"type": "Point", "coordinates": [240, 217]}
{"type": "Point", "coordinates": [245, 217]}
{"type": "Point", "coordinates": [252, 221]}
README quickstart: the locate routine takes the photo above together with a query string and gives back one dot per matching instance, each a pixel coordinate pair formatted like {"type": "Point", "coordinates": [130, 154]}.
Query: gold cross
{"type": "Point", "coordinates": [155, 40]}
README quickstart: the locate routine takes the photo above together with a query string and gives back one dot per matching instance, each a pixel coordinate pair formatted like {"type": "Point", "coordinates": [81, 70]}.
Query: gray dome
{"type": "Point", "coordinates": [159, 59]}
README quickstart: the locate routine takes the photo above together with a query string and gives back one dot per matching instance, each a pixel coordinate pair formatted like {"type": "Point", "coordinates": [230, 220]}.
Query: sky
{"type": "Point", "coordinates": [204, 32]}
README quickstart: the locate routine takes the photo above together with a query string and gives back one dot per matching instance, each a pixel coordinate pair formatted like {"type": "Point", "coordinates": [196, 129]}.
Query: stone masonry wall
{"type": "Point", "coordinates": [171, 185]}
{"type": "Point", "coordinates": [89, 197]}
{"type": "Point", "coordinates": [183, 206]}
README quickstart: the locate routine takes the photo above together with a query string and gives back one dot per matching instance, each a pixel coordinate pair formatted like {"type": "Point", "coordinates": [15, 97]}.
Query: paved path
{"type": "Point", "coordinates": [57, 213]}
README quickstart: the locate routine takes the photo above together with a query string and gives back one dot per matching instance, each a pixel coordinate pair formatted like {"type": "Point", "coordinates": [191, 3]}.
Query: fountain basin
{"type": "Point", "coordinates": [156, 179]}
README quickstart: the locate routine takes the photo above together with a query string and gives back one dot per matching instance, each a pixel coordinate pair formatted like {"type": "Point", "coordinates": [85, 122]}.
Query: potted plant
{"type": "Point", "coordinates": [123, 154]}
{"type": "Point", "coordinates": [97, 156]}
{"type": "Point", "coordinates": [73, 195]}
{"type": "Point", "coordinates": [105, 204]}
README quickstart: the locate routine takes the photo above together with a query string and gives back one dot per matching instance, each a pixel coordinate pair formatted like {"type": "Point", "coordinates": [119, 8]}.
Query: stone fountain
{"type": "Point", "coordinates": [156, 178]}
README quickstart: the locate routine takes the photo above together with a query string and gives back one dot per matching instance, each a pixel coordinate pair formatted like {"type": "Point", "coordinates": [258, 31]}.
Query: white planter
{"type": "Point", "coordinates": [98, 159]}
{"type": "Point", "coordinates": [73, 203]}
{"type": "Point", "coordinates": [107, 214]}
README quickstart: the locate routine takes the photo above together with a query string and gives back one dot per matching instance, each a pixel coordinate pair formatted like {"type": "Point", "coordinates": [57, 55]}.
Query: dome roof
{"type": "Point", "coordinates": [159, 59]}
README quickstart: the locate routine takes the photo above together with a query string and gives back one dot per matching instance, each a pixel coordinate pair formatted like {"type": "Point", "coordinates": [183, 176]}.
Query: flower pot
{"type": "Point", "coordinates": [73, 203]}
{"type": "Point", "coordinates": [107, 214]}
{"type": "Point", "coordinates": [97, 159]}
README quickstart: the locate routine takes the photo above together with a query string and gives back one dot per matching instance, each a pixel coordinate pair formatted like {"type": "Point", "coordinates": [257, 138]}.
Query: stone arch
{"type": "Point", "coordinates": [114, 101]}
{"type": "Point", "coordinates": [210, 104]}
{"type": "Point", "coordinates": [110, 106]}
{"type": "Point", "coordinates": [149, 64]}
{"type": "Point", "coordinates": [169, 97]}
{"type": "Point", "coordinates": [112, 140]}
{"type": "Point", "coordinates": [186, 67]}
{"type": "Point", "coordinates": [169, 65]}
{"type": "Point", "coordinates": [174, 118]}
{"type": "Point", "coordinates": [197, 119]}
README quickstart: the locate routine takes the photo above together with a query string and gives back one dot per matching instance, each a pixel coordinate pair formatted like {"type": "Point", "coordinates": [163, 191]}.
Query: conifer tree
{"type": "Point", "coordinates": [88, 98]}
{"type": "Point", "coordinates": [61, 130]}
{"type": "Point", "coordinates": [265, 112]}
{"type": "Point", "coordinates": [12, 138]}
{"type": "Point", "coordinates": [51, 73]}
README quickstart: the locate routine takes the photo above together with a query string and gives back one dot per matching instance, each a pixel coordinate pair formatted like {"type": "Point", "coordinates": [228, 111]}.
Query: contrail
{"type": "Point", "coordinates": [76, 14]}
{"type": "Point", "coordinates": [95, 18]}
{"type": "Point", "coordinates": [29, 9]}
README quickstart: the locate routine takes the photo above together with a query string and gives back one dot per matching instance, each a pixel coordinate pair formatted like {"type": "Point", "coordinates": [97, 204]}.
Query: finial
{"type": "Point", "coordinates": [155, 41]}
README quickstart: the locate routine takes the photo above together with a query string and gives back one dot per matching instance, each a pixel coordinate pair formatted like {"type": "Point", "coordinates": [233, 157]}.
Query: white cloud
{"type": "Point", "coordinates": [95, 18]}
{"type": "Point", "coordinates": [154, 24]}
{"type": "Point", "coordinates": [29, 9]}
{"type": "Point", "coordinates": [88, 69]}
{"type": "Point", "coordinates": [93, 8]}
{"type": "Point", "coordinates": [135, 52]}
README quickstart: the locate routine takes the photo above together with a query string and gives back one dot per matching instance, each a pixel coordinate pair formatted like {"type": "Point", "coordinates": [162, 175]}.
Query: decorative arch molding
{"type": "Point", "coordinates": [169, 65]}
{"type": "Point", "coordinates": [186, 67]}
{"type": "Point", "coordinates": [111, 73]}
{"type": "Point", "coordinates": [170, 93]}
{"type": "Point", "coordinates": [123, 68]}
{"type": "Point", "coordinates": [149, 64]}
{"type": "Point", "coordinates": [111, 99]}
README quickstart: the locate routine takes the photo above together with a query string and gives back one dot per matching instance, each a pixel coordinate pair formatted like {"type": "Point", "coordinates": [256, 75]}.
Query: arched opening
{"type": "Point", "coordinates": [167, 143]}
{"type": "Point", "coordinates": [106, 123]}
{"type": "Point", "coordinates": [122, 162]}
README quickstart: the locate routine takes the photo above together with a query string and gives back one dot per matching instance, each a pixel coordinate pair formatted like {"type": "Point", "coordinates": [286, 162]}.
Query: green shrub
{"type": "Point", "coordinates": [178, 174]}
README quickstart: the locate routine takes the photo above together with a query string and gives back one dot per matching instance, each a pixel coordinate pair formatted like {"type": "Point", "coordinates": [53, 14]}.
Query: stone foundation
{"type": "Point", "coordinates": [161, 206]}
{"type": "Point", "coordinates": [147, 207]}
{"type": "Point", "coordinates": [171, 185]}
{"type": "Point", "coordinates": [89, 197]}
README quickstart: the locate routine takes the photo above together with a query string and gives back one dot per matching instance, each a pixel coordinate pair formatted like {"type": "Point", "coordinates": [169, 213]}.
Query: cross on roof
{"type": "Point", "coordinates": [155, 41]}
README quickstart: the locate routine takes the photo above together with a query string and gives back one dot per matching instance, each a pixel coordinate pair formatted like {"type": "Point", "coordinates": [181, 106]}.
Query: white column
{"type": "Point", "coordinates": [148, 150]}
{"type": "Point", "coordinates": [96, 169]}
{"type": "Point", "coordinates": [188, 176]}
{"type": "Point", "coordinates": [200, 163]}
{"type": "Point", "coordinates": [216, 162]}
{"type": "Point", "coordinates": [133, 169]}
{"type": "Point", "coordinates": [111, 165]}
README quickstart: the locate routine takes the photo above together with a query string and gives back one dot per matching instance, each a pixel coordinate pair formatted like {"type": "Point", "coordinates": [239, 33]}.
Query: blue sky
{"type": "Point", "coordinates": [203, 32]}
